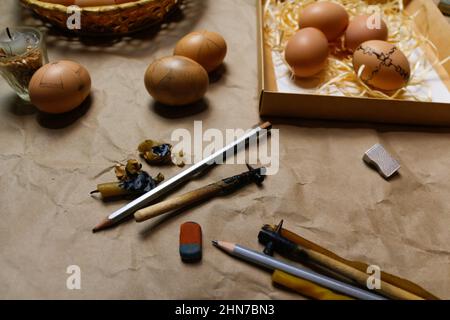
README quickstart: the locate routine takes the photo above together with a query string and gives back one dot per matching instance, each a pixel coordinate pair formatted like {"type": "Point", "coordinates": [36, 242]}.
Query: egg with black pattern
{"type": "Point", "coordinates": [381, 65]}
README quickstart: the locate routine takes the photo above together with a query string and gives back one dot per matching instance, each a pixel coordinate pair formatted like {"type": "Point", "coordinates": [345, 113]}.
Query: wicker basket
{"type": "Point", "coordinates": [106, 20]}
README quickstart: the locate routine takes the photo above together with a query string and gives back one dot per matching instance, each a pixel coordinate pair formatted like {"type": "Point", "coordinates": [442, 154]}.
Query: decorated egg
{"type": "Point", "coordinates": [176, 80]}
{"type": "Point", "coordinates": [381, 65]}
{"type": "Point", "coordinates": [205, 47]}
{"type": "Point", "coordinates": [59, 87]}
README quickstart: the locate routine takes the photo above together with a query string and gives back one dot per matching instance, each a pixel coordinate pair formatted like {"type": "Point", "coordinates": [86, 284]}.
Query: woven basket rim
{"type": "Point", "coordinates": [63, 8]}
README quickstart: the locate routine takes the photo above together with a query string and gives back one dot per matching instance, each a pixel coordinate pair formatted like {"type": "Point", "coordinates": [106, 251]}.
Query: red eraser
{"type": "Point", "coordinates": [190, 241]}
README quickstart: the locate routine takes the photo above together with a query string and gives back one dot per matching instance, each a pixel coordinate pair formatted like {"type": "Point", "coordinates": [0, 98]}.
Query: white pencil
{"type": "Point", "coordinates": [274, 264]}
{"type": "Point", "coordinates": [169, 185]}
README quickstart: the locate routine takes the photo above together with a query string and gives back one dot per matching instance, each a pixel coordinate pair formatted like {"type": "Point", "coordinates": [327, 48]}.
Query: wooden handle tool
{"type": "Point", "coordinates": [274, 241]}
{"type": "Point", "coordinates": [360, 277]}
{"type": "Point", "coordinates": [224, 186]}
{"type": "Point", "coordinates": [178, 202]}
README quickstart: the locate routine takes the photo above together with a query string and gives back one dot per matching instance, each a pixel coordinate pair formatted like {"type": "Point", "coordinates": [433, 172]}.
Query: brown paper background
{"type": "Point", "coordinates": [323, 190]}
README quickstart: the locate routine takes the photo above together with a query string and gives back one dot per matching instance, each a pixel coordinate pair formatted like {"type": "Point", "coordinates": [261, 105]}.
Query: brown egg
{"type": "Point", "coordinates": [307, 52]}
{"type": "Point", "coordinates": [205, 47]}
{"type": "Point", "coordinates": [385, 66]}
{"type": "Point", "coordinates": [362, 29]}
{"type": "Point", "coordinates": [59, 87]}
{"type": "Point", "coordinates": [330, 18]}
{"type": "Point", "coordinates": [176, 80]}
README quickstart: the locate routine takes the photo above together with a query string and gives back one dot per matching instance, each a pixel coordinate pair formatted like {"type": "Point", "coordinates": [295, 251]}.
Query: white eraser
{"type": "Point", "coordinates": [378, 157]}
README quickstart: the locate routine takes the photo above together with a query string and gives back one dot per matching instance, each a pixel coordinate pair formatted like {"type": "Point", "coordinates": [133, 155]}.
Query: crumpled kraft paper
{"type": "Point", "coordinates": [323, 190]}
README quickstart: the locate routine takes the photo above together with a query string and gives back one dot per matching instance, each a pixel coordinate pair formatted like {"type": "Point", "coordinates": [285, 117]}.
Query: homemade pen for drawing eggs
{"type": "Point", "coordinates": [176, 80]}
{"type": "Point", "coordinates": [205, 47]}
{"type": "Point", "coordinates": [59, 87]}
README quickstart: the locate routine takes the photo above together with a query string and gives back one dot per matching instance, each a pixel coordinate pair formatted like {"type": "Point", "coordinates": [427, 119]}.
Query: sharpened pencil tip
{"type": "Point", "coordinates": [103, 225]}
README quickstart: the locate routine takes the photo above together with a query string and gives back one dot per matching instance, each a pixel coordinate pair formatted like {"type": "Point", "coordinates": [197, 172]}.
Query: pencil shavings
{"type": "Point", "coordinates": [156, 153]}
{"type": "Point", "coordinates": [281, 22]}
{"type": "Point", "coordinates": [123, 172]}
{"type": "Point", "coordinates": [141, 182]}
{"type": "Point", "coordinates": [132, 180]}
{"type": "Point", "coordinates": [178, 158]}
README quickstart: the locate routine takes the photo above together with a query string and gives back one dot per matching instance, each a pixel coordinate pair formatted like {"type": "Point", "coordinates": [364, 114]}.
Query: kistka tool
{"type": "Point", "coordinates": [270, 263]}
{"type": "Point", "coordinates": [221, 187]}
{"type": "Point", "coordinates": [184, 176]}
{"type": "Point", "coordinates": [274, 241]}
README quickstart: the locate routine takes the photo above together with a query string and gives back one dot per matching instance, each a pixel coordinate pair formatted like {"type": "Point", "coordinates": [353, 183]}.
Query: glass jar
{"type": "Point", "coordinates": [22, 53]}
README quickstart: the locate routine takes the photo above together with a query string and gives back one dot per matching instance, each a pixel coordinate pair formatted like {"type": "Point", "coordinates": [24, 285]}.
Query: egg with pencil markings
{"type": "Point", "coordinates": [205, 47]}
{"type": "Point", "coordinates": [364, 28]}
{"type": "Point", "coordinates": [381, 65]}
{"type": "Point", "coordinates": [307, 52]}
{"type": "Point", "coordinates": [176, 80]}
{"type": "Point", "coordinates": [329, 17]}
{"type": "Point", "coordinates": [59, 87]}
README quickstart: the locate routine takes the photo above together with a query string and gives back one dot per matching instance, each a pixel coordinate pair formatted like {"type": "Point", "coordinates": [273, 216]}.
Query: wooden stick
{"type": "Point", "coordinates": [178, 202]}
{"type": "Point", "coordinates": [386, 288]}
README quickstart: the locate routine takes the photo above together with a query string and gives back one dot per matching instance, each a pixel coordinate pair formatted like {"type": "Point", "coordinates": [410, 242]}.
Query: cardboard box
{"type": "Point", "coordinates": [312, 106]}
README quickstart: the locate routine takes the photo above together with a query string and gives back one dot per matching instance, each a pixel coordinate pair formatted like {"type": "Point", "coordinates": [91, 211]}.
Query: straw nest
{"type": "Point", "coordinates": [281, 22]}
